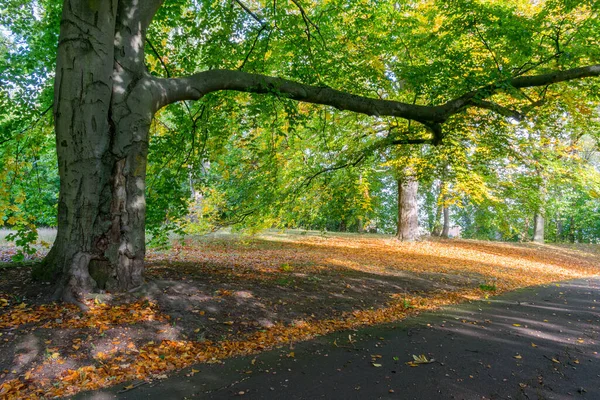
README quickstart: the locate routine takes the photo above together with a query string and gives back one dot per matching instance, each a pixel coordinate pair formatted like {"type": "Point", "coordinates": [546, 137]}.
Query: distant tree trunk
{"type": "Point", "coordinates": [579, 235]}
{"type": "Point", "coordinates": [408, 224]}
{"type": "Point", "coordinates": [446, 229]}
{"type": "Point", "coordinates": [524, 234]}
{"type": "Point", "coordinates": [539, 220]}
{"type": "Point", "coordinates": [360, 228]}
{"type": "Point", "coordinates": [538, 229]}
{"type": "Point", "coordinates": [365, 196]}
{"type": "Point", "coordinates": [559, 229]}
{"type": "Point", "coordinates": [442, 228]}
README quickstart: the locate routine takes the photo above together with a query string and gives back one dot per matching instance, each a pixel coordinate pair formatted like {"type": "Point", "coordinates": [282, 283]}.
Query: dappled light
{"type": "Point", "coordinates": [213, 298]}
{"type": "Point", "coordinates": [190, 184]}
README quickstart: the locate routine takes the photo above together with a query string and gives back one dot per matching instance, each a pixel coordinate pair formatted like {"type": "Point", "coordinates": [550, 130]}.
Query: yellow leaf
{"type": "Point", "coordinates": [517, 325]}
{"type": "Point", "coordinates": [376, 365]}
{"type": "Point", "coordinates": [554, 360]}
{"type": "Point", "coordinates": [534, 345]}
{"type": "Point", "coordinates": [518, 357]}
{"type": "Point", "coordinates": [422, 359]}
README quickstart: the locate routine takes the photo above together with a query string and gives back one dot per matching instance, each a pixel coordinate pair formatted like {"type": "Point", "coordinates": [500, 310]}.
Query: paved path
{"type": "Point", "coordinates": [536, 343]}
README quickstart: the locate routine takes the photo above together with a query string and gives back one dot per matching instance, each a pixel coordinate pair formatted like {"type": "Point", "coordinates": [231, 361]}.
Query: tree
{"type": "Point", "coordinates": [408, 213]}
{"type": "Point", "coordinates": [104, 102]}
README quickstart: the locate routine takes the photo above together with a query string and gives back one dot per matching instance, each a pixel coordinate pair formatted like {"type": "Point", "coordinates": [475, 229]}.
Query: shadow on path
{"type": "Point", "coordinates": [536, 343]}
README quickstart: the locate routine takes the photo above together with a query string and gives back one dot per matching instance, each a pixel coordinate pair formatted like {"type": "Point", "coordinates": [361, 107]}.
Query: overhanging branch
{"type": "Point", "coordinates": [193, 87]}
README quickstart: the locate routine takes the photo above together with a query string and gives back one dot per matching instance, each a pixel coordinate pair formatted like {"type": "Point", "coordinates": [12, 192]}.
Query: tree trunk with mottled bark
{"type": "Point", "coordinates": [102, 117]}
{"type": "Point", "coordinates": [408, 224]}
{"type": "Point", "coordinates": [538, 228]}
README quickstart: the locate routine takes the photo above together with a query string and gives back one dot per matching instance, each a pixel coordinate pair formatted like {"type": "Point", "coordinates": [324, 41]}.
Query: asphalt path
{"type": "Point", "coordinates": [535, 343]}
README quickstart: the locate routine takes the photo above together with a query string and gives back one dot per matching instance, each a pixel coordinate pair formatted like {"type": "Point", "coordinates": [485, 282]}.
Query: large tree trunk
{"type": "Point", "coordinates": [408, 224]}
{"type": "Point", "coordinates": [538, 228]}
{"type": "Point", "coordinates": [102, 117]}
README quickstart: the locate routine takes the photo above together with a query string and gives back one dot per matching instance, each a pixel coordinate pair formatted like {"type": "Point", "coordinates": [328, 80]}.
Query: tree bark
{"type": "Point", "coordinates": [446, 229]}
{"type": "Point", "coordinates": [360, 227]}
{"type": "Point", "coordinates": [538, 228]}
{"type": "Point", "coordinates": [408, 224]}
{"type": "Point", "coordinates": [102, 117]}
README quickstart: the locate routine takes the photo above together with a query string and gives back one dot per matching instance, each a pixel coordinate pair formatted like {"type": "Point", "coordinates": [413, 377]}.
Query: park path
{"type": "Point", "coordinates": [534, 343]}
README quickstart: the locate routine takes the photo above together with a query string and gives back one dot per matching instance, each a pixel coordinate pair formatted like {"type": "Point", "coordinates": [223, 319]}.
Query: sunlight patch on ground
{"type": "Point", "coordinates": [278, 285]}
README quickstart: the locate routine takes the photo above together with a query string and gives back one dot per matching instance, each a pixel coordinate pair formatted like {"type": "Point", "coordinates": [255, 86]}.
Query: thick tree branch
{"type": "Point", "coordinates": [555, 77]}
{"type": "Point", "coordinates": [468, 99]}
{"type": "Point", "coordinates": [195, 86]}
{"type": "Point", "coordinates": [167, 91]}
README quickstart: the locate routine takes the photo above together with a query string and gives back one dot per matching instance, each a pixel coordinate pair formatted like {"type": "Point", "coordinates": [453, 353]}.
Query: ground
{"type": "Point", "coordinates": [212, 298]}
{"type": "Point", "coordinates": [538, 343]}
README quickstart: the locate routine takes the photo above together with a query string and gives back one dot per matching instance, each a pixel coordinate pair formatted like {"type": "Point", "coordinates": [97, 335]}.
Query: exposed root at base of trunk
{"type": "Point", "coordinates": [76, 282]}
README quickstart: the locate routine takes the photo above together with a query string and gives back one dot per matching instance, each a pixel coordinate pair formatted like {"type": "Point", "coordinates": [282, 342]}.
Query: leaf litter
{"type": "Point", "coordinates": [218, 298]}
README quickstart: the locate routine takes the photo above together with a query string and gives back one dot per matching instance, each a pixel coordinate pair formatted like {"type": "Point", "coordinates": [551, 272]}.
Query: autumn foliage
{"type": "Point", "coordinates": [218, 298]}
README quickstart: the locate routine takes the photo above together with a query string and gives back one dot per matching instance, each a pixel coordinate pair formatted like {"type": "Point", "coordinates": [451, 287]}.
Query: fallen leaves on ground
{"type": "Point", "coordinates": [455, 271]}
{"type": "Point", "coordinates": [100, 316]}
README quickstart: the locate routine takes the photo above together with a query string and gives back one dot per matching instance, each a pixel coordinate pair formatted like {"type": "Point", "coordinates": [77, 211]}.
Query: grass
{"type": "Point", "coordinates": [44, 234]}
{"type": "Point", "coordinates": [487, 288]}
